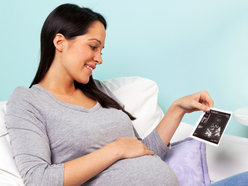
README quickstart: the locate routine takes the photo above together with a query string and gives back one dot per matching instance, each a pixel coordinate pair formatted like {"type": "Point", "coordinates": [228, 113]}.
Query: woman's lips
{"type": "Point", "coordinates": [89, 67]}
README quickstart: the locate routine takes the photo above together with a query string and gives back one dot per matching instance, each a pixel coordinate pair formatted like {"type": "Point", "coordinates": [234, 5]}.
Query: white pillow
{"type": "Point", "coordinates": [9, 174]}
{"type": "Point", "coordinates": [140, 97]}
{"type": "Point", "coordinates": [3, 129]}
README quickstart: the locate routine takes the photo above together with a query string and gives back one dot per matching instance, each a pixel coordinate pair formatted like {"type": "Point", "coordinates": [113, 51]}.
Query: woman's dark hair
{"type": "Point", "coordinates": [71, 21]}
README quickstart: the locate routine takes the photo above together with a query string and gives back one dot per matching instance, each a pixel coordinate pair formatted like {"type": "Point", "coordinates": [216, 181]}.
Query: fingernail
{"type": "Point", "coordinates": [207, 109]}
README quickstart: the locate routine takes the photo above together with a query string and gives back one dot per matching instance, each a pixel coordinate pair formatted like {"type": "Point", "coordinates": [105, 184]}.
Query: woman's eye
{"type": "Point", "coordinates": [93, 47]}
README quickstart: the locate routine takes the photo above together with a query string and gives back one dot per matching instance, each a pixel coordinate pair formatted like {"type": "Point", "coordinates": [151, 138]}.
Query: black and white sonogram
{"type": "Point", "coordinates": [211, 126]}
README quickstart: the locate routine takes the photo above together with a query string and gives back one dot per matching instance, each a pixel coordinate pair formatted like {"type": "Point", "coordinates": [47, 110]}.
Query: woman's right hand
{"type": "Point", "coordinates": [78, 171]}
{"type": "Point", "coordinates": [131, 147]}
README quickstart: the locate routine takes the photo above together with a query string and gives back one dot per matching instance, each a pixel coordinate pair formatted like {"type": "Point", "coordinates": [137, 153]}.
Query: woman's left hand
{"type": "Point", "coordinates": [168, 125]}
{"type": "Point", "coordinates": [194, 102]}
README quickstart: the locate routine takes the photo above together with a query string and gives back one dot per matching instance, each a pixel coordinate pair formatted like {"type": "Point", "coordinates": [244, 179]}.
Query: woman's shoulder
{"type": "Point", "coordinates": [103, 88]}
{"type": "Point", "coordinates": [20, 95]}
{"type": "Point", "coordinates": [21, 89]}
{"type": "Point", "coordinates": [21, 92]}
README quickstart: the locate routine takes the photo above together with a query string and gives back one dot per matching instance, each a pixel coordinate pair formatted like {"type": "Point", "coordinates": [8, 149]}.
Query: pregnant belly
{"type": "Point", "coordinates": [141, 171]}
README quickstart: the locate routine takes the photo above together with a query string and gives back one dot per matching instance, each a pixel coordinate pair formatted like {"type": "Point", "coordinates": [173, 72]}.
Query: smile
{"type": "Point", "coordinates": [89, 67]}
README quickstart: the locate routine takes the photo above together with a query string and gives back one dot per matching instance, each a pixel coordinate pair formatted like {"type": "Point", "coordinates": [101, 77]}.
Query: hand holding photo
{"type": "Point", "coordinates": [211, 126]}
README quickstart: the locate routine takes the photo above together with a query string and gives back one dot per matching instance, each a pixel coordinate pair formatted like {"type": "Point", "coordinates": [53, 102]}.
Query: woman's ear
{"type": "Point", "coordinates": [58, 42]}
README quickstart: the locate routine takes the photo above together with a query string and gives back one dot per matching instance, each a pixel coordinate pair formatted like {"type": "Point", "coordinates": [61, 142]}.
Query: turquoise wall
{"type": "Point", "coordinates": [184, 46]}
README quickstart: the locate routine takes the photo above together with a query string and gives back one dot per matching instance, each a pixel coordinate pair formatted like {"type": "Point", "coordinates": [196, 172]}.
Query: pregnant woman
{"type": "Point", "coordinates": [69, 129]}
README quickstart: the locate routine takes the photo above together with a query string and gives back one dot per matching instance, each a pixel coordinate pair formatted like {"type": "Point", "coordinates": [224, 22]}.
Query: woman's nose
{"type": "Point", "coordinates": [98, 58]}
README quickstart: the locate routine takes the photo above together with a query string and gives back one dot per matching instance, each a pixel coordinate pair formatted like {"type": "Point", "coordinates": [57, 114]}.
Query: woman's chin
{"type": "Point", "coordinates": [85, 81]}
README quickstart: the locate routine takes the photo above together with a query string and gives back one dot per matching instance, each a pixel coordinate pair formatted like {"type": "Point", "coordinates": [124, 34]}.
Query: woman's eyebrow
{"type": "Point", "coordinates": [95, 39]}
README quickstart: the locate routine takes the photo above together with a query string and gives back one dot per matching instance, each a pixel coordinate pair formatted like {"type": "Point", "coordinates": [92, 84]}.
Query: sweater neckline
{"type": "Point", "coordinates": [64, 104]}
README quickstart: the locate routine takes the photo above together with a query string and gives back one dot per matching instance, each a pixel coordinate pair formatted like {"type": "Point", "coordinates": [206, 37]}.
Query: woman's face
{"type": "Point", "coordinates": [81, 55]}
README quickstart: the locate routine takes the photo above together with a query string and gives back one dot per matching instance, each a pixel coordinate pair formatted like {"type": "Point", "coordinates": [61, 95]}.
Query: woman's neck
{"type": "Point", "coordinates": [56, 81]}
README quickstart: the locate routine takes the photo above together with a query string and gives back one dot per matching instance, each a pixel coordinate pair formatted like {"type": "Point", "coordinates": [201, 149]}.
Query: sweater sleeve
{"type": "Point", "coordinates": [155, 143]}
{"type": "Point", "coordinates": [29, 141]}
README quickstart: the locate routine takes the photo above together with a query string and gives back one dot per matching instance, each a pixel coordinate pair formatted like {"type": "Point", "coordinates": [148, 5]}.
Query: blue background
{"type": "Point", "coordinates": [184, 46]}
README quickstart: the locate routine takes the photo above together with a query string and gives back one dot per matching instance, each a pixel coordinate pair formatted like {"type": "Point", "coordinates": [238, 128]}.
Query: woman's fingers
{"type": "Point", "coordinates": [198, 101]}
{"type": "Point", "coordinates": [200, 106]}
{"type": "Point", "coordinates": [132, 147]}
{"type": "Point", "coordinates": [205, 101]}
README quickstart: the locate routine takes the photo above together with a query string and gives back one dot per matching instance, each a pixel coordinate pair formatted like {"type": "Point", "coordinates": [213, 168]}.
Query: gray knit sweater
{"type": "Point", "coordinates": [46, 132]}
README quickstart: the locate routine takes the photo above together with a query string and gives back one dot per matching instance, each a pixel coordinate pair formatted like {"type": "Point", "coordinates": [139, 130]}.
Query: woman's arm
{"type": "Point", "coordinates": [32, 154]}
{"type": "Point", "coordinates": [171, 120]}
